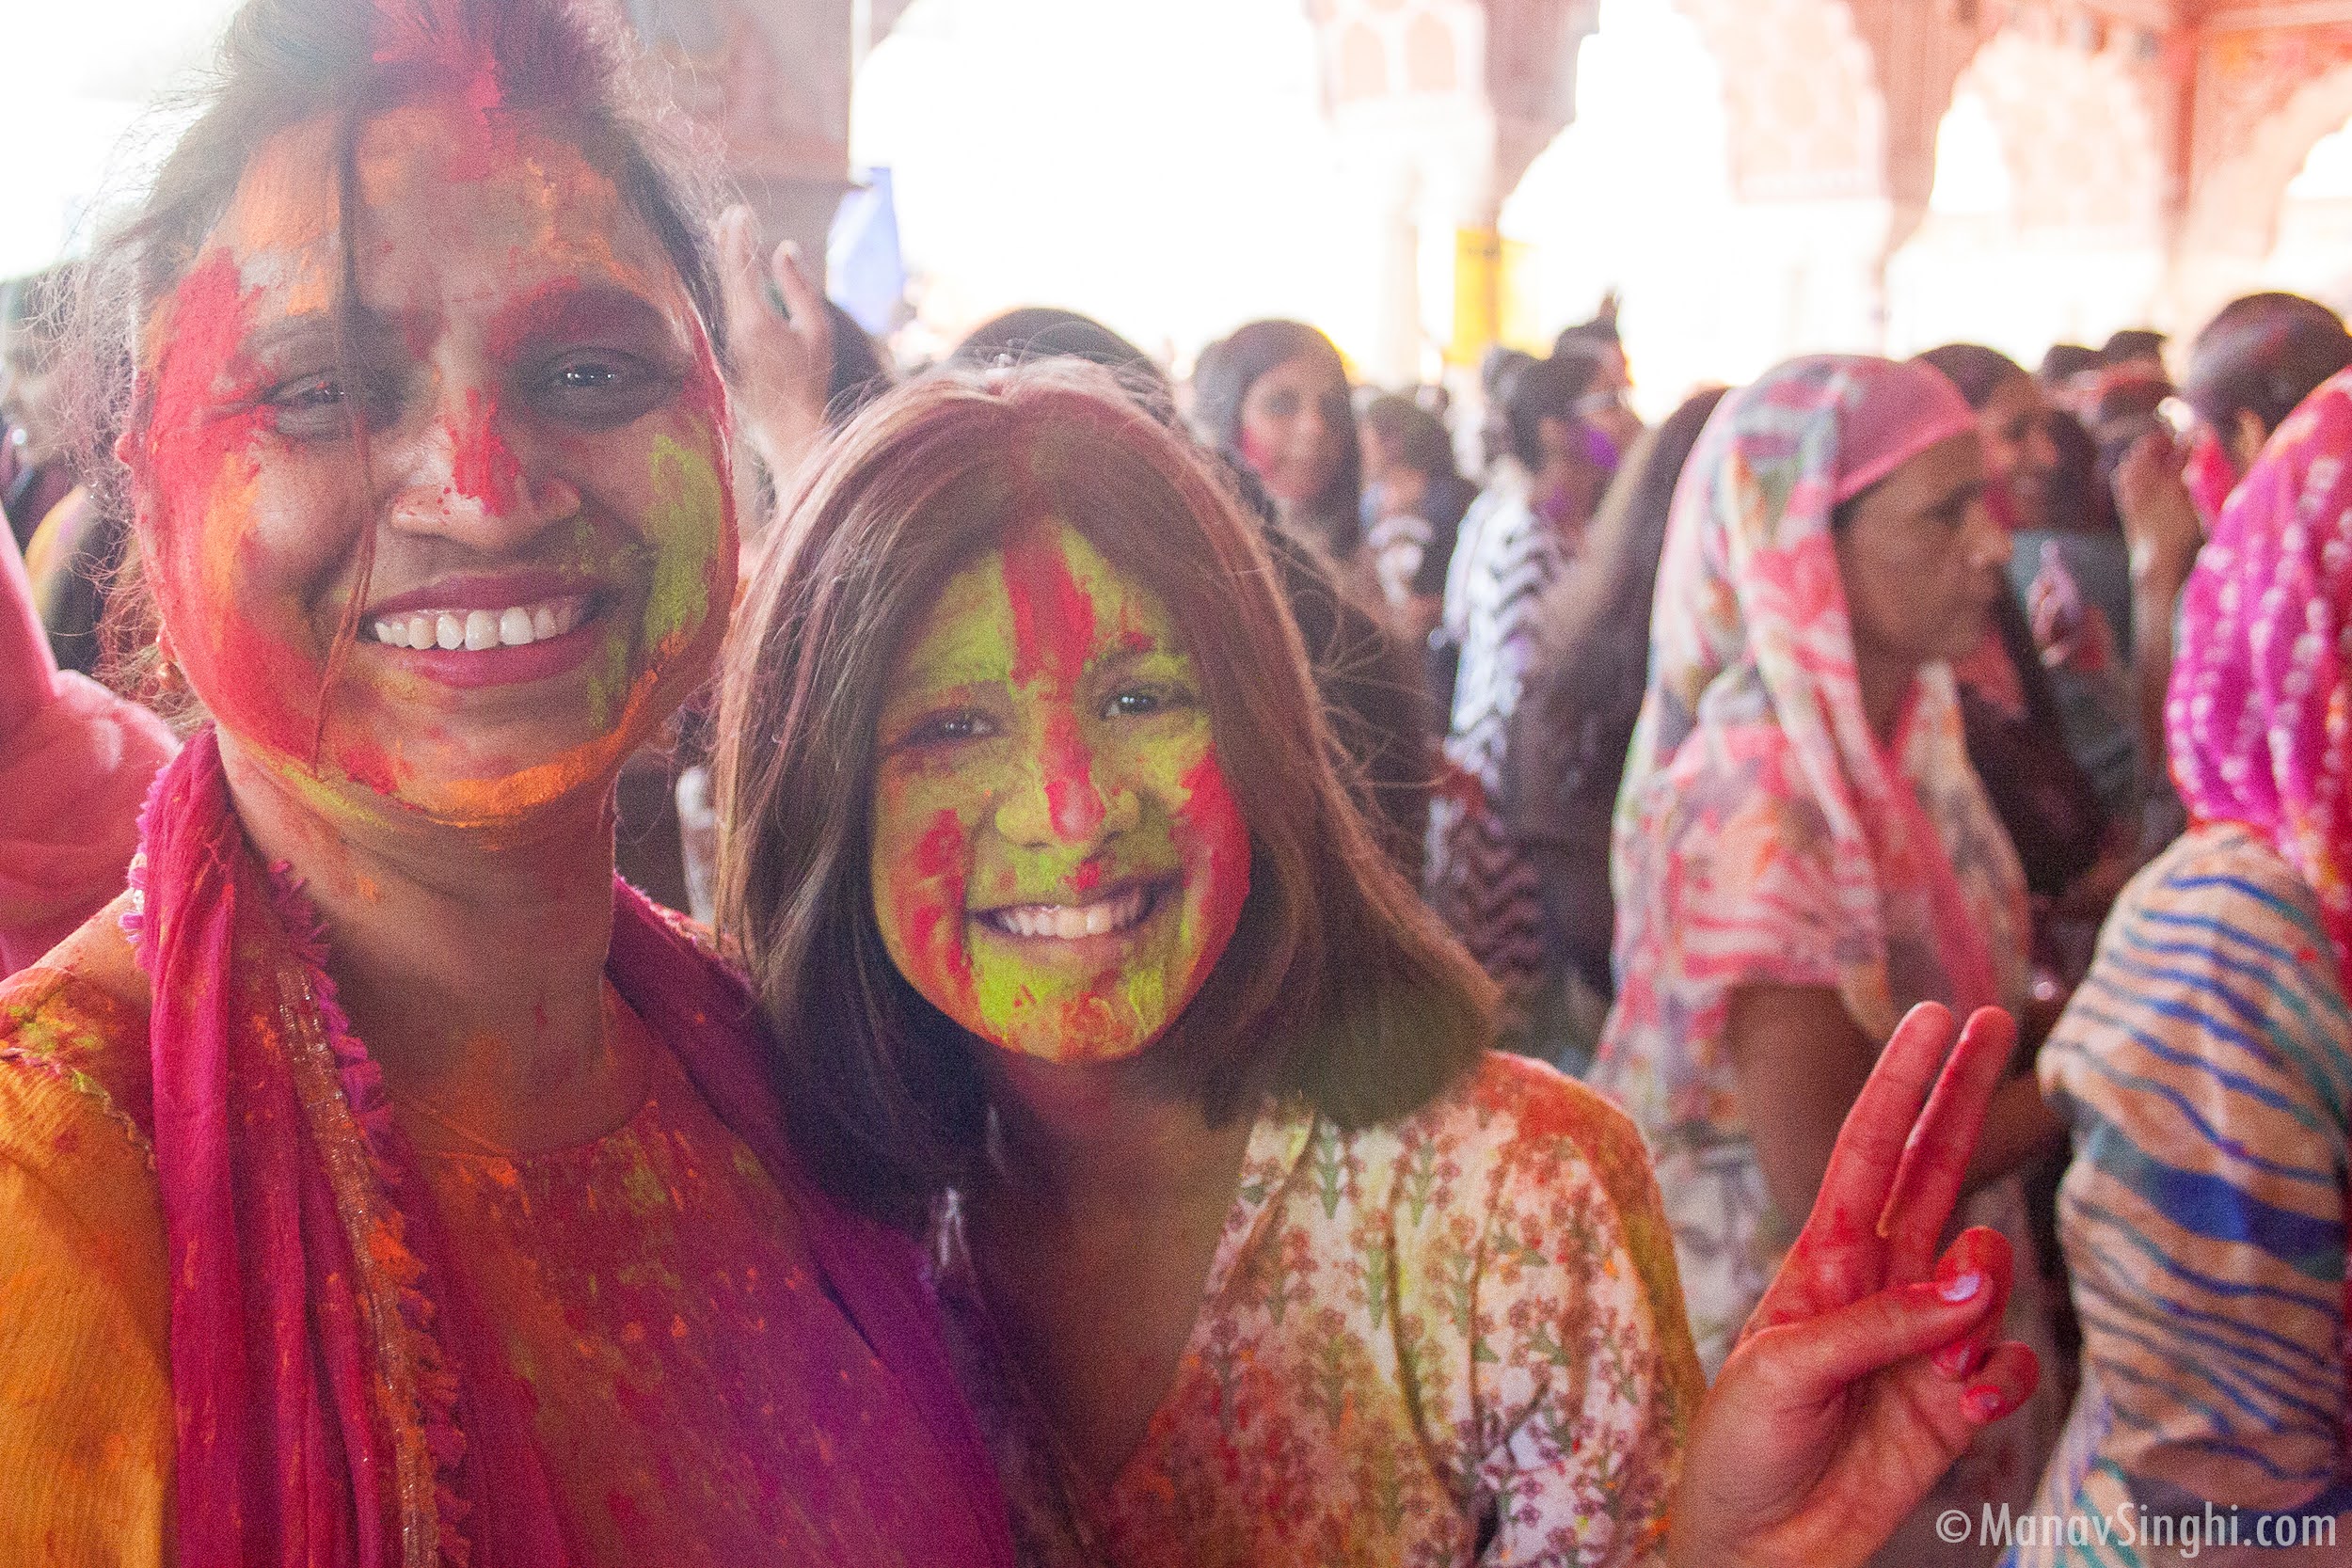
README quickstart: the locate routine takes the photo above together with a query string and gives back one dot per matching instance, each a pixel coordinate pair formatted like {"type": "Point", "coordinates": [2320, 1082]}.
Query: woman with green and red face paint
{"type": "Point", "coordinates": [380, 1182]}
{"type": "Point", "coordinates": [1079, 956]}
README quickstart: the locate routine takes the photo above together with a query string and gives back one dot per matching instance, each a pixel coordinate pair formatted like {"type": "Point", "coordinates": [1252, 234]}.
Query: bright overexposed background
{"type": "Point", "coordinates": [1168, 166]}
{"type": "Point", "coordinates": [82, 76]}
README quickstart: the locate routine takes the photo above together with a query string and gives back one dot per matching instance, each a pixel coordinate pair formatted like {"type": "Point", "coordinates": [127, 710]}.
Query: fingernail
{"type": "Point", "coordinates": [792, 250]}
{"type": "Point", "coordinates": [1961, 1286]}
{"type": "Point", "coordinates": [1956, 1361]}
{"type": "Point", "coordinates": [1984, 1403]}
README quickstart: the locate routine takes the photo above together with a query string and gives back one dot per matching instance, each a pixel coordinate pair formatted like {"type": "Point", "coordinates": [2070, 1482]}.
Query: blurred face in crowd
{"type": "Point", "coordinates": [1398, 488]}
{"type": "Point", "coordinates": [537, 534]}
{"type": "Point", "coordinates": [1293, 420]}
{"type": "Point", "coordinates": [1057, 861]}
{"type": "Point", "coordinates": [2020, 459]}
{"type": "Point", "coordinates": [1921, 557]}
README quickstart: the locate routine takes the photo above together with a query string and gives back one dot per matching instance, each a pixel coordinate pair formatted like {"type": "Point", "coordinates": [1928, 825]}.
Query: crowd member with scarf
{"type": "Point", "coordinates": [1802, 850]}
{"type": "Point", "coordinates": [2206, 1062]}
{"type": "Point", "coordinates": [1077, 951]}
{"type": "Point", "coordinates": [381, 1183]}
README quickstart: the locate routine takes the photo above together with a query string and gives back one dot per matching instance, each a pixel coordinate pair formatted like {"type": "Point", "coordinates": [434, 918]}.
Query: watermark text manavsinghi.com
{"type": "Point", "coordinates": [2185, 1533]}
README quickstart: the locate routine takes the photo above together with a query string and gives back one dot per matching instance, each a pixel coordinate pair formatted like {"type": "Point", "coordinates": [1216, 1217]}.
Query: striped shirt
{"type": "Point", "coordinates": [2207, 1068]}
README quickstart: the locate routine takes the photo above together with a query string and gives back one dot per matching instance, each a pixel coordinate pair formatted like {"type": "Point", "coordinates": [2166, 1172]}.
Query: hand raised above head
{"type": "Point", "coordinates": [779, 345]}
{"type": "Point", "coordinates": [1870, 1363]}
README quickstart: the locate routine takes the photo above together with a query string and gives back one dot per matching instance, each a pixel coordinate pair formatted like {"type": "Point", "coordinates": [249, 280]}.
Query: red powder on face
{"type": "Point", "coordinates": [1052, 621]}
{"type": "Point", "coordinates": [1210, 819]}
{"type": "Point", "coordinates": [204, 419]}
{"type": "Point", "coordinates": [1260, 455]}
{"type": "Point", "coordinates": [482, 464]}
{"type": "Point", "coordinates": [931, 905]}
{"type": "Point", "coordinates": [1053, 615]}
{"type": "Point", "coordinates": [435, 34]}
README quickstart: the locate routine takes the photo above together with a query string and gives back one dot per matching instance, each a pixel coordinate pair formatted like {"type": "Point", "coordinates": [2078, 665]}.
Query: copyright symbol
{"type": "Point", "coordinates": [1951, 1526]}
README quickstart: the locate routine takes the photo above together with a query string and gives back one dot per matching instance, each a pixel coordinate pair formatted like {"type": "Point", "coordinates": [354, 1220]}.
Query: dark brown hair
{"type": "Point", "coordinates": [282, 62]}
{"type": "Point", "coordinates": [1338, 987]}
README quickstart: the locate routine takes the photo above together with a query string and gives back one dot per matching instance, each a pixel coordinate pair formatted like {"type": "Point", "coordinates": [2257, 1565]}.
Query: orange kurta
{"type": "Point", "coordinates": [695, 1399]}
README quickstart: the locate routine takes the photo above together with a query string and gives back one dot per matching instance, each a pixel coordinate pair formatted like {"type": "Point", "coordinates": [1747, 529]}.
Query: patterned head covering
{"type": "Point", "coordinates": [1764, 836]}
{"type": "Point", "coordinates": [1881, 870]}
{"type": "Point", "coordinates": [2259, 720]}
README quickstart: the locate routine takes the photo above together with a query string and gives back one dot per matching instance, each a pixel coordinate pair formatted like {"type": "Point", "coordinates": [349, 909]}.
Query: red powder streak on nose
{"type": "Point", "coordinates": [1071, 802]}
{"type": "Point", "coordinates": [1052, 630]}
{"type": "Point", "coordinates": [482, 464]}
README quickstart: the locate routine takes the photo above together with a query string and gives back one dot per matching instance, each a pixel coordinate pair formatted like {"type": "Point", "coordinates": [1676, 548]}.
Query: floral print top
{"type": "Point", "coordinates": [1451, 1339]}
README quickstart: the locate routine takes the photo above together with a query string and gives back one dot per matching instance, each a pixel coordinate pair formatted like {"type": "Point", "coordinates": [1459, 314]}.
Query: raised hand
{"type": "Point", "coordinates": [29, 672]}
{"type": "Point", "coordinates": [1869, 1364]}
{"type": "Point", "coordinates": [780, 359]}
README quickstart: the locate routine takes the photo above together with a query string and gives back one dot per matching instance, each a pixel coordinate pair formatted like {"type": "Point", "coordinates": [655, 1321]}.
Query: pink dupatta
{"type": "Point", "coordinates": [340, 1402]}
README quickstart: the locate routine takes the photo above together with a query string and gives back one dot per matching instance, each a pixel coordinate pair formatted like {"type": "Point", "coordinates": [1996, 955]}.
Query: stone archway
{"type": "Point", "coordinates": [1808, 121]}
{"type": "Point", "coordinates": [1727, 171]}
{"type": "Point", "coordinates": [2075, 246]}
{"type": "Point", "coordinates": [2233, 216]}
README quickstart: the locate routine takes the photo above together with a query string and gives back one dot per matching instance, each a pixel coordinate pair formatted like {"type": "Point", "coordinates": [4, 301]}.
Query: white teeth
{"type": "Point", "coordinates": [515, 626]}
{"type": "Point", "coordinates": [1067, 921]}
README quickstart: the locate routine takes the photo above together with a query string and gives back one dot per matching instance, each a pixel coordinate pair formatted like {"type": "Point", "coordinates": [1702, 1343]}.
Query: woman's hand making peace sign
{"type": "Point", "coordinates": [1870, 1363]}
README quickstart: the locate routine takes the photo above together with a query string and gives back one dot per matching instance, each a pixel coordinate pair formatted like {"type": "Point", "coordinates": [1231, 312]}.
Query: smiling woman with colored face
{"type": "Point", "coordinates": [346, 1159]}
{"type": "Point", "coordinates": [1079, 956]}
{"type": "Point", "coordinates": [1056, 852]}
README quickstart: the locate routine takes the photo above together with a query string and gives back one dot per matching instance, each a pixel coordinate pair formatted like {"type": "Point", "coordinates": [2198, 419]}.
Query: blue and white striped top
{"type": "Point", "coordinates": [2207, 1068]}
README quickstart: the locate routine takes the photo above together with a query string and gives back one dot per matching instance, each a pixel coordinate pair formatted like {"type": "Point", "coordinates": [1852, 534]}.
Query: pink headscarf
{"type": "Point", "coordinates": [1909, 406]}
{"type": "Point", "coordinates": [2259, 719]}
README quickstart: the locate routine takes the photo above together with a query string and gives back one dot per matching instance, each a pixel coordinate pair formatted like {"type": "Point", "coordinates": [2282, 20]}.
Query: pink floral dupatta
{"type": "Point", "coordinates": [2259, 716]}
{"type": "Point", "coordinates": [341, 1403]}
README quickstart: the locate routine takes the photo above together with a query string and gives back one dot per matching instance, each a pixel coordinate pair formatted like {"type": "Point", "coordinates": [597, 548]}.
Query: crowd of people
{"type": "Point", "coordinates": [1245, 971]}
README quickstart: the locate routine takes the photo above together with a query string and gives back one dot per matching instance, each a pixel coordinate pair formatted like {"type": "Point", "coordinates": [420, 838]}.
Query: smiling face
{"type": "Point", "coordinates": [2020, 458]}
{"type": "Point", "coordinates": [1921, 558]}
{"type": "Point", "coordinates": [1292, 424]}
{"type": "Point", "coordinates": [546, 497]}
{"type": "Point", "coordinates": [1057, 861]}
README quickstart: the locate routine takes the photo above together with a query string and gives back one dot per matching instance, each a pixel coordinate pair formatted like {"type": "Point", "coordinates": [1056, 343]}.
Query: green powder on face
{"type": "Point", "coordinates": [683, 529]}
